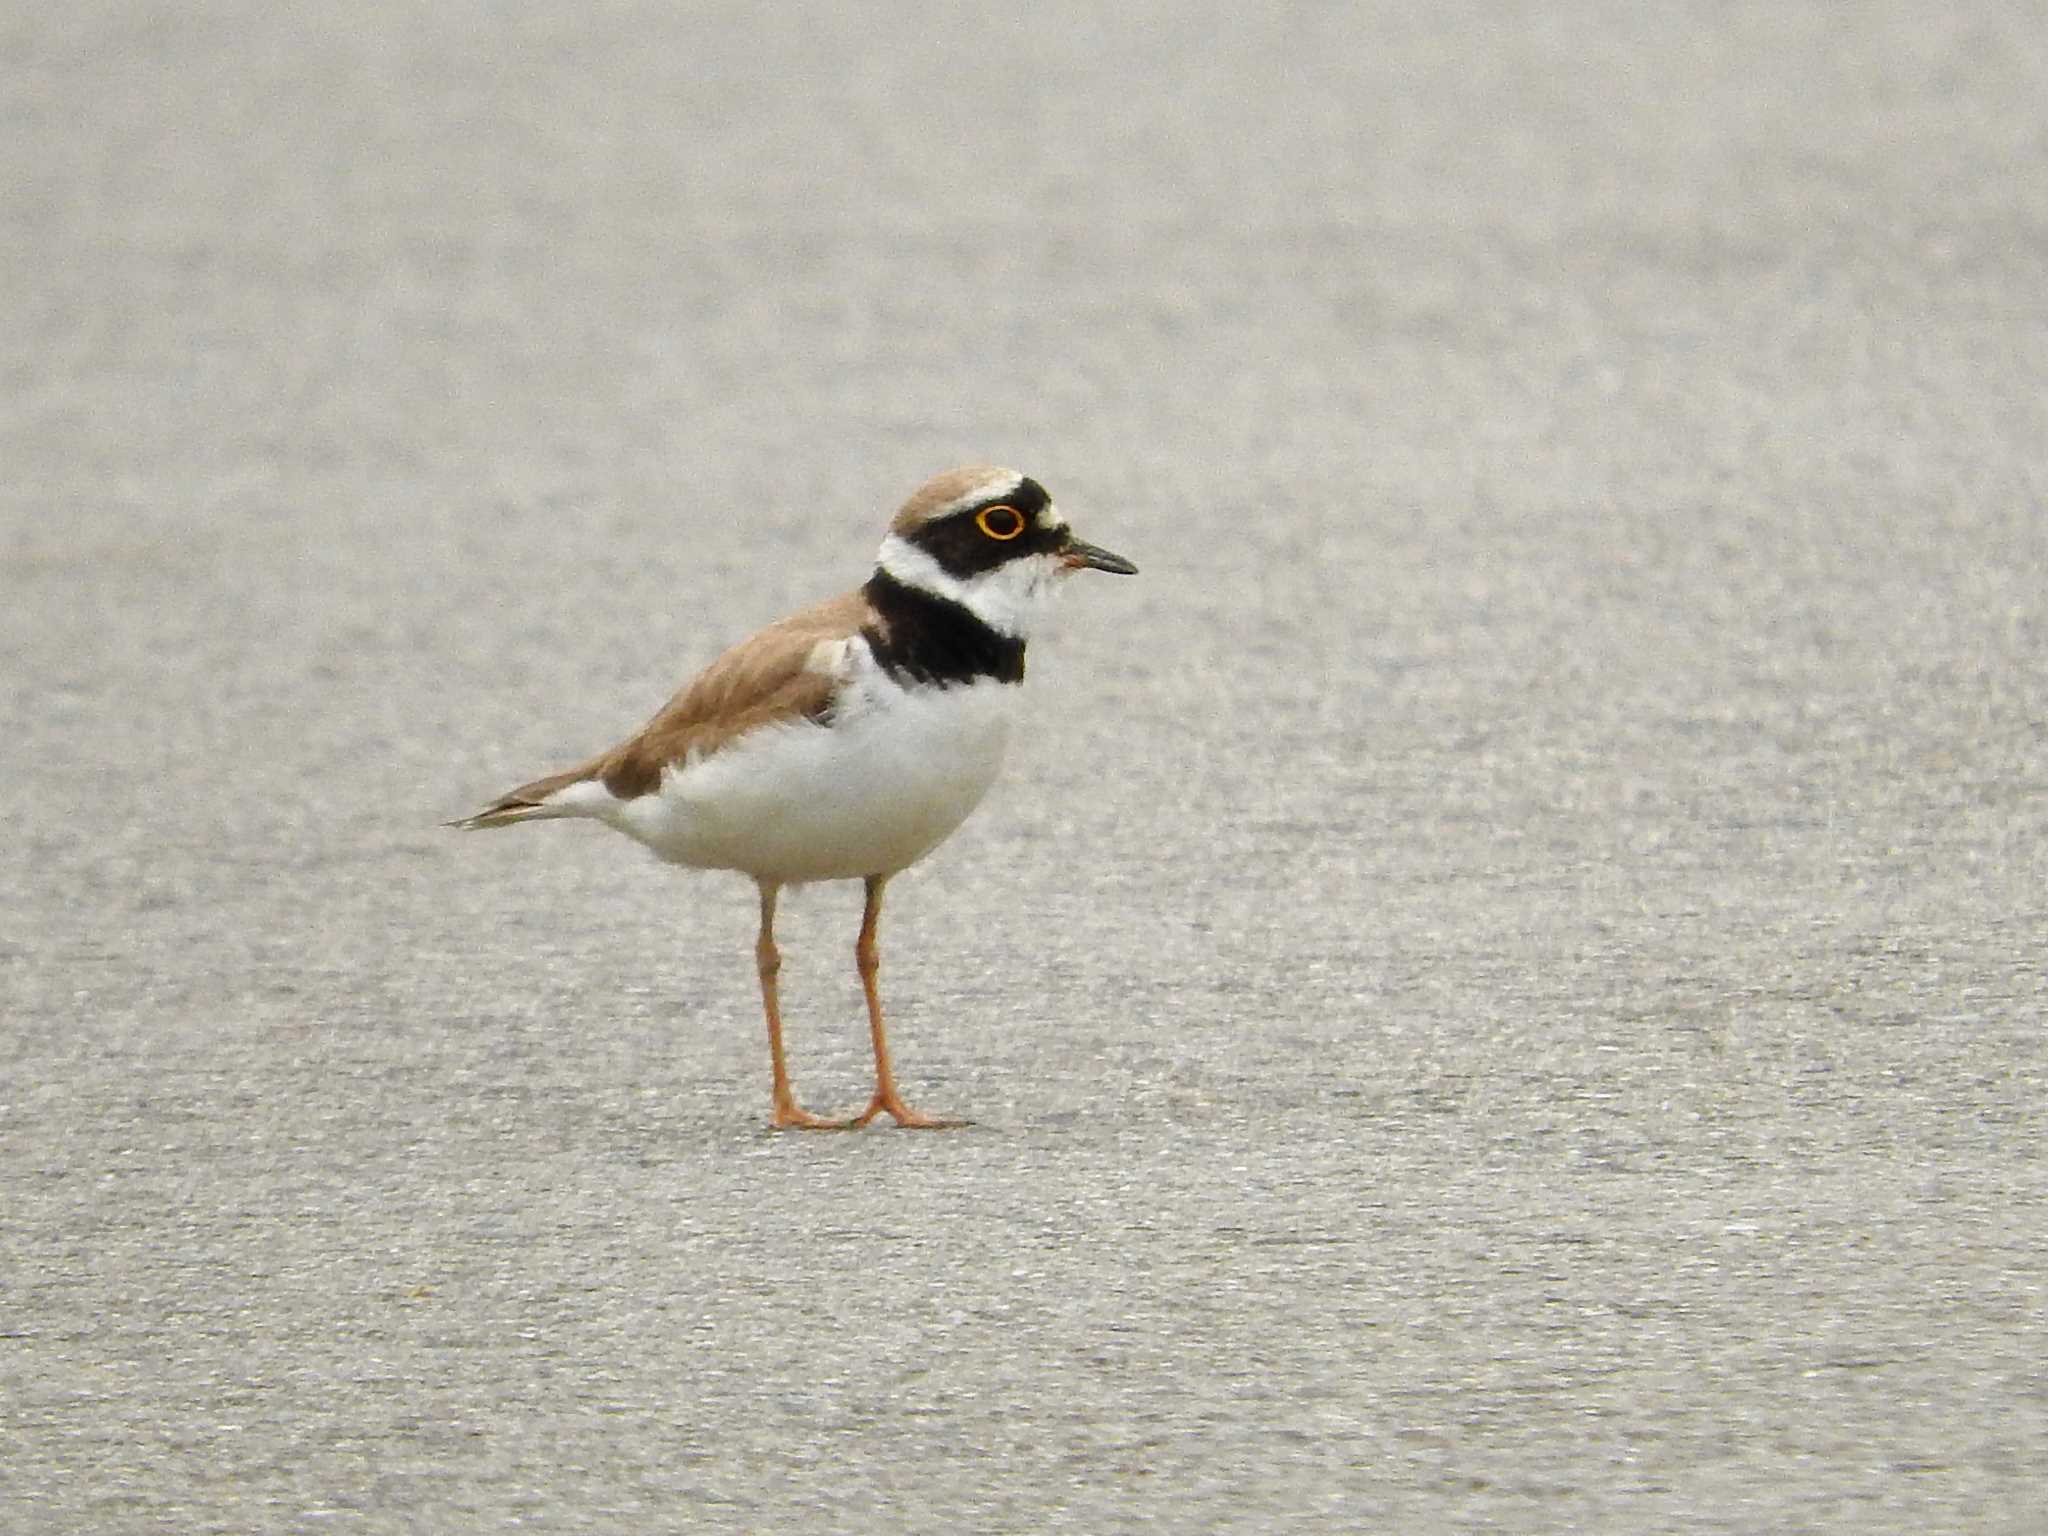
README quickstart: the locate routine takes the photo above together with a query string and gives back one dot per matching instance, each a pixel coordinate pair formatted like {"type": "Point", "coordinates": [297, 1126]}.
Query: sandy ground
{"type": "Point", "coordinates": [1503, 987]}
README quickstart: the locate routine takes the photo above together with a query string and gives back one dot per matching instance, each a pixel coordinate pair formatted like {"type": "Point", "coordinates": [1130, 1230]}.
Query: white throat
{"type": "Point", "coordinates": [1009, 599]}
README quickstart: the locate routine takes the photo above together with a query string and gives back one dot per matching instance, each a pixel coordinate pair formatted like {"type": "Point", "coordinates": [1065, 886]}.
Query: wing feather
{"type": "Point", "coordinates": [767, 677]}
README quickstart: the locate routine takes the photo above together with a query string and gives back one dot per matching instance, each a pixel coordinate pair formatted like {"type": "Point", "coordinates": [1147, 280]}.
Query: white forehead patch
{"type": "Point", "coordinates": [1049, 518]}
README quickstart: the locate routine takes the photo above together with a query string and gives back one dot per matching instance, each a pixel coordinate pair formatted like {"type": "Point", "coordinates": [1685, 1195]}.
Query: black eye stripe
{"type": "Point", "coordinates": [1027, 496]}
{"type": "Point", "coordinates": [963, 547]}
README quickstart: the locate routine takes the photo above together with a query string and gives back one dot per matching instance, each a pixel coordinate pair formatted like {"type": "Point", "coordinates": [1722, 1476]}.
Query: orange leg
{"type": "Point", "coordinates": [886, 1100]}
{"type": "Point", "coordinates": [768, 963]}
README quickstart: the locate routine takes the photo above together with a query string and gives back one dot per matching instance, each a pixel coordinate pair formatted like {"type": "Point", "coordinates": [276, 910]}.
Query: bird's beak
{"type": "Point", "coordinates": [1077, 556]}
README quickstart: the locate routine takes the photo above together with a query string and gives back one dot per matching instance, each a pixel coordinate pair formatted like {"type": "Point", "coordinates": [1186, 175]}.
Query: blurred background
{"type": "Point", "coordinates": [1502, 985]}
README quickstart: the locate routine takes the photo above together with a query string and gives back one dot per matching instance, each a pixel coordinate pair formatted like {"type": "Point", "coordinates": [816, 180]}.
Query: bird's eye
{"type": "Point", "coordinates": [1003, 523]}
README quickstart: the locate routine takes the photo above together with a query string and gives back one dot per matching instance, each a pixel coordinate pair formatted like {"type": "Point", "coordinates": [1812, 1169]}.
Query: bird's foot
{"type": "Point", "coordinates": [793, 1116]}
{"type": "Point", "coordinates": [906, 1117]}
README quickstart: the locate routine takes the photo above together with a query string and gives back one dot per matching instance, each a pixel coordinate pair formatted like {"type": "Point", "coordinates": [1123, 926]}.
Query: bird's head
{"type": "Point", "coordinates": [992, 541]}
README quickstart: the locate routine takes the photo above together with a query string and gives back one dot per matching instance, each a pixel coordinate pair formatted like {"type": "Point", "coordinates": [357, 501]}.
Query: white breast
{"type": "Point", "coordinates": [890, 778]}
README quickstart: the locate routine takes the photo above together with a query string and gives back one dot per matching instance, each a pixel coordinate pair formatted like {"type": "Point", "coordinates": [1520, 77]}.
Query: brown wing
{"type": "Point", "coordinates": [525, 802]}
{"type": "Point", "coordinates": [763, 678]}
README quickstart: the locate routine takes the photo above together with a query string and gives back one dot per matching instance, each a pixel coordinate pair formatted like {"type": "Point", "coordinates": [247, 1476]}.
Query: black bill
{"type": "Point", "coordinates": [1078, 554]}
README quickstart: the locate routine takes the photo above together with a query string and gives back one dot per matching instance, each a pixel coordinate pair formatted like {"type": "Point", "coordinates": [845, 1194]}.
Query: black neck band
{"type": "Point", "coordinates": [934, 639]}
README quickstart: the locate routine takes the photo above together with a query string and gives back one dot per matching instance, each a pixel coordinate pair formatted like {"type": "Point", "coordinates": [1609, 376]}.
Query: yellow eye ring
{"type": "Point", "coordinates": [1002, 523]}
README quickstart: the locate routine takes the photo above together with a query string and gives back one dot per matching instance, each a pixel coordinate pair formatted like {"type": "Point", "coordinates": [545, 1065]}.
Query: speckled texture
{"type": "Point", "coordinates": [1503, 988]}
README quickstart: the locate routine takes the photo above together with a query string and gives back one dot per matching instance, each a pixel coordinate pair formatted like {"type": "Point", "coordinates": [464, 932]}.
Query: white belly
{"type": "Point", "coordinates": [870, 794]}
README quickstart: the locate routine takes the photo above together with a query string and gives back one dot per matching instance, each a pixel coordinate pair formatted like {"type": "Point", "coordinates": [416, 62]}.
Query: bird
{"type": "Point", "coordinates": [848, 740]}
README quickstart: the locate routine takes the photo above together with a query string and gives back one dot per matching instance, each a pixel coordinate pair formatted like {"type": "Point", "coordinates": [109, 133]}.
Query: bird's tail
{"type": "Point", "coordinates": [538, 801]}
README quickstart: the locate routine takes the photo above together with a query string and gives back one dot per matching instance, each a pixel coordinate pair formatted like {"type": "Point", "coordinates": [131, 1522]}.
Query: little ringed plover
{"type": "Point", "coordinates": [848, 740]}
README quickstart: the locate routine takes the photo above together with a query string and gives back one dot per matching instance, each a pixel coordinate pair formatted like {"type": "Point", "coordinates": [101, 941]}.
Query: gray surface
{"type": "Point", "coordinates": [1504, 988]}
